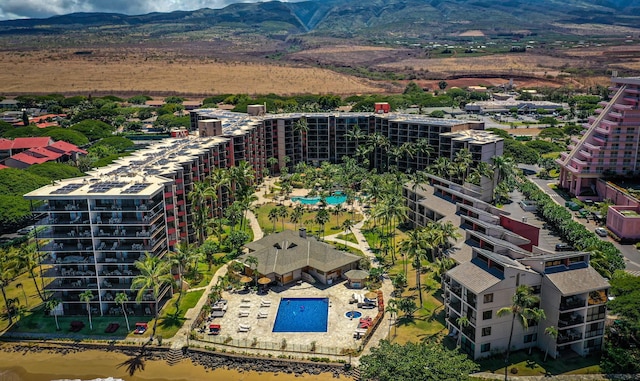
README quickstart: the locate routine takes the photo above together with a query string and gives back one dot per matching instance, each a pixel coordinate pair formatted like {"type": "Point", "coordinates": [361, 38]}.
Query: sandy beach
{"type": "Point", "coordinates": [92, 364]}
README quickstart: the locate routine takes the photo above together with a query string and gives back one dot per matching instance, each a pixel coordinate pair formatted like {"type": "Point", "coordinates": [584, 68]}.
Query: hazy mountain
{"type": "Point", "coordinates": [353, 18]}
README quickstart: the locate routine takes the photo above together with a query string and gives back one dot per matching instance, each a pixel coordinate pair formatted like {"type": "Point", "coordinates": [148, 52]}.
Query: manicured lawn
{"type": "Point", "coordinates": [171, 320]}
{"type": "Point", "coordinates": [349, 237]}
{"type": "Point", "coordinates": [534, 366]}
{"type": "Point", "coordinates": [308, 220]}
{"type": "Point", "coordinates": [13, 291]}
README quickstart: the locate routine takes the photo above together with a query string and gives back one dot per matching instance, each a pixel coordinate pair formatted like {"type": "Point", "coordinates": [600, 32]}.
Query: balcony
{"type": "Point", "coordinates": [570, 319]}
{"type": "Point", "coordinates": [597, 297]}
{"type": "Point", "coordinates": [569, 336]}
{"type": "Point", "coordinates": [456, 290]}
{"type": "Point", "coordinates": [593, 333]}
{"type": "Point", "coordinates": [571, 303]}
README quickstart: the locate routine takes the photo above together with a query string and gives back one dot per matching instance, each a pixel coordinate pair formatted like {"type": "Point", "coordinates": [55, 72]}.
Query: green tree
{"type": "Point", "coordinates": [442, 85]}
{"type": "Point", "coordinates": [93, 129]}
{"type": "Point", "coordinates": [87, 297]}
{"type": "Point", "coordinates": [8, 269]}
{"type": "Point", "coordinates": [51, 305]}
{"type": "Point", "coordinates": [463, 322]}
{"type": "Point", "coordinates": [154, 278]}
{"type": "Point", "coordinates": [252, 262]}
{"type": "Point", "coordinates": [121, 298]}
{"type": "Point", "coordinates": [29, 259]}
{"type": "Point", "coordinates": [521, 308]}
{"type": "Point", "coordinates": [552, 332]}
{"type": "Point", "coordinates": [421, 361]}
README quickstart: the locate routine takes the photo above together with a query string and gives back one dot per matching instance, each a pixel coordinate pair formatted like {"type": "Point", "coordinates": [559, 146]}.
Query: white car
{"type": "Point", "coordinates": [602, 232]}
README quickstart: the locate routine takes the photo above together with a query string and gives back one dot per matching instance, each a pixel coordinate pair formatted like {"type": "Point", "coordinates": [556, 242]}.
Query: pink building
{"type": "Point", "coordinates": [609, 144]}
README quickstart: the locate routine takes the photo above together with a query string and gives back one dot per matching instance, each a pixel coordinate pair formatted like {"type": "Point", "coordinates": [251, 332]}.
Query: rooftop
{"type": "Point", "coordinates": [578, 281]}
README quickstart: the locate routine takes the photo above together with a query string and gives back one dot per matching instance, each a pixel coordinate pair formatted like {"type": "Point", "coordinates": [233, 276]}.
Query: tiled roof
{"type": "Point", "coordinates": [578, 281]}
{"type": "Point", "coordinates": [29, 159]}
{"type": "Point", "coordinates": [67, 147]}
{"type": "Point", "coordinates": [45, 151]}
{"type": "Point", "coordinates": [5, 144]}
{"type": "Point", "coordinates": [21, 143]}
{"type": "Point", "coordinates": [473, 277]}
{"type": "Point", "coordinates": [285, 252]}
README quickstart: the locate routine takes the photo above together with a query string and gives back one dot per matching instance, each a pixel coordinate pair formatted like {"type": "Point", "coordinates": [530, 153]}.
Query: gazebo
{"type": "Point", "coordinates": [356, 278]}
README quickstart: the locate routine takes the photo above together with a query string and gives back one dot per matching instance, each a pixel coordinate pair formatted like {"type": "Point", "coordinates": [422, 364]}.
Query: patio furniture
{"type": "Point", "coordinates": [111, 328]}
{"type": "Point", "coordinates": [243, 314]}
{"type": "Point", "coordinates": [214, 329]}
{"type": "Point", "coordinates": [76, 326]}
{"type": "Point", "coordinates": [263, 315]}
{"type": "Point", "coordinates": [244, 328]}
{"type": "Point", "coordinates": [140, 328]}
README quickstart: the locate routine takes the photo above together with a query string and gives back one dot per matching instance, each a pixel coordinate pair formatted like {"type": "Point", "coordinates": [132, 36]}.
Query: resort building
{"type": "Point", "coordinates": [498, 254]}
{"type": "Point", "coordinates": [507, 105]}
{"type": "Point", "coordinates": [24, 152]}
{"type": "Point", "coordinates": [608, 147]}
{"type": "Point", "coordinates": [290, 256]}
{"type": "Point", "coordinates": [99, 225]}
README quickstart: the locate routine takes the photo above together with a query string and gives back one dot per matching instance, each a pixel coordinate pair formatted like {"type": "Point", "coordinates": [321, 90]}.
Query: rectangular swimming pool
{"type": "Point", "coordinates": [302, 315]}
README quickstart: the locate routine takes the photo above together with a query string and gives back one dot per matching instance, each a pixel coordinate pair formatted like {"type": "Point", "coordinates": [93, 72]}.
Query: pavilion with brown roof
{"type": "Point", "coordinates": [290, 256]}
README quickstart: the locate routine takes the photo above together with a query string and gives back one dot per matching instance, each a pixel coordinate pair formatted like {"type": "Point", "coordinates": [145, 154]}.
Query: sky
{"type": "Point", "coordinates": [15, 9]}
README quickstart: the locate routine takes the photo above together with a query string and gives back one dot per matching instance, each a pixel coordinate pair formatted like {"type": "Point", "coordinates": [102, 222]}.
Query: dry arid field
{"type": "Point", "coordinates": [116, 71]}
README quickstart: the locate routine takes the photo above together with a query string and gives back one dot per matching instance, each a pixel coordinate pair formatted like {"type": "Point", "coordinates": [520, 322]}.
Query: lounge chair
{"type": "Point", "coordinates": [244, 328]}
{"type": "Point", "coordinates": [245, 306]}
{"type": "Point", "coordinates": [245, 300]}
{"type": "Point", "coordinates": [263, 304]}
{"type": "Point", "coordinates": [243, 314]}
{"type": "Point", "coordinates": [214, 329]}
{"type": "Point", "coordinates": [263, 315]}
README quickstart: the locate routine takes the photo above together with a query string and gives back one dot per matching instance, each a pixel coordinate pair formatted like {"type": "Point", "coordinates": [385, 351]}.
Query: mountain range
{"type": "Point", "coordinates": [371, 19]}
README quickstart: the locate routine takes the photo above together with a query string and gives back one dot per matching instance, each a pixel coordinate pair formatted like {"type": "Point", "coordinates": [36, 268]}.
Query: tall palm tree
{"type": "Point", "coordinates": [553, 334]}
{"type": "Point", "coordinates": [423, 149]}
{"type": "Point", "coordinates": [296, 215]}
{"type": "Point", "coordinates": [51, 305]}
{"type": "Point", "coordinates": [29, 259]}
{"type": "Point", "coordinates": [300, 127]}
{"type": "Point", "coordinates": [521, 308]}
{"type": "Point", "coordinates": [219, 178]}
{"type": "Point", "coordinates": [322, 217]}
{"type": "Point", "coordinates": [356, 133]}
{"type": "Point", "coordinates": [252, 262]}
{"type": "Point", "coordinates": [462, 322]}
{"type": "Point", "coordinates": [26, 301]}
{"type": "Point", "coordinates": [154, 277]}
{"type": "Point", "coordinates": [347, 225]}
{"type": "Point", "coordinates": [392, 310]}
{"type": "Point", "coordinates": [441, 167]}
{"type": "Point", "coordinates": [87, 297]}
{"type": "Point", "coordinates": [537, 314]}
{"type": "Point", "coordinates": [462, 161]}
{"type": "Point", "coordinates": [273, 216]}
{"type": "Point", "coordinates": [198, 197]}
{"type": "Point", "coordinates": [504, 168]}
{"type": "Point", "coordinates": [283, 212]}
{"type": "Point", "coordinates": [121, 298]}
{"type": "Point", "coordinates": [7, 274]}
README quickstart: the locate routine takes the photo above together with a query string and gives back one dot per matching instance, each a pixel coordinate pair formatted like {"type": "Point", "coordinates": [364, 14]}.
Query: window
{"type": "Point", "coordinates": [486, 331]}
{"type": "Point", "coordinates": [486, 315]}
{"type": "Point", "coordinates": [530, 338]}
{"type": "Point", "coordinates": [488, 298]}
{"type": "Point", "coordinates": [486, 347]}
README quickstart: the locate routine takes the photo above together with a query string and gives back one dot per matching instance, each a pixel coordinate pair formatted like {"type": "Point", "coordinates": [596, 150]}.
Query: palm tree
{"type": "Point", "coordinates": [356, 134]}
{"type": "Point", "coordinates": [273, 216]}
{"type": "Point", "coordinates": [219, 178]}
{"type": "Point", "coordinates": [553, 334]}
{"type": "Point", "coordinates": [272, 161]}
{"type": "Point", "coordinates": [154, 277]}
{"type": "Point", "coordinates": [51, 305]}
{"type": "Point", "coordinates": [29, 259]}
{"type": "Point", "coordinates": [441, 167]}
{"type": "Point", "coordinates": [392, 310]}
{"type": "Point", "coordinates": [462, 161]}
{"type": "Point", "coordinates": [521, 308]}
{"type": "Point", "coordinates": [537, 314]}
{"type": "Point", "coordinates": [407, 306]}
{"type": "Point", "coordinates": [399, 283]}
{"type": "Point", "coordinates": [322, 217]}
{"type": "Point", "coordinates": [504, 168]}
{"type": "Point", "coordinates": [198, 197]}
{"type": "Point", "coordinates": [121, 298]}
{"type": "Point", "coordinates": [462, 322]}
{"type": "Point", "coordinates": [347, 225]}
{"type": "Point", "coordinates": [26, 301]}
{"type": "Point", "coordinates": [301, 128]}
{"type": "Point", "coordinates": [87, 297]}
{"type": "Point", "coordinates": [7, 273]}
{"type": "Point", "coordinates": [283, 212]}
{"type": "Point", "coordinates": [252, 262]}
{"type": "Point", "coordinates": [296, 215]}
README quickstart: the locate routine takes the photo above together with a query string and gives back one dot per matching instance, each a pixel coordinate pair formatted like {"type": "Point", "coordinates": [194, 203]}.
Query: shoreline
{"type": "Point", "coordinates": [38, 362]}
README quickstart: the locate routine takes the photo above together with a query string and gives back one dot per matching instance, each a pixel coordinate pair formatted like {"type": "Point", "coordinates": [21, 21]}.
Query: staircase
{"type": "Point", "coordinates": [175, 355]}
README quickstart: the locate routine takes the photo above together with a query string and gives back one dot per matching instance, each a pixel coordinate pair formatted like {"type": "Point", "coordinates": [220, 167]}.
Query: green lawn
{"type": "Point", "coordinates": [533, 365]}
{"type": "Point", "coordinates": [171, 320]}
{"type": "Point", "coordinates": [308, 220]}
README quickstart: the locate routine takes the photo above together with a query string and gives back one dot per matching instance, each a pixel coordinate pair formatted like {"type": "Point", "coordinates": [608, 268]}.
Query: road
{"type": "Point", "coordinates": [629, 252]}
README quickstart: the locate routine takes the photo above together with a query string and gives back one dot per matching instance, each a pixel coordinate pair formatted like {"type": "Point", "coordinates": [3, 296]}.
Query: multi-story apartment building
{"type": "Point", "coordinates": [609, 145]}
{"type": "Point", "coordinates": [498, 254]}
{"type": "Point", "coordinates": [99, 225]}
{"type": "Point", "coordinates": [572, 294]}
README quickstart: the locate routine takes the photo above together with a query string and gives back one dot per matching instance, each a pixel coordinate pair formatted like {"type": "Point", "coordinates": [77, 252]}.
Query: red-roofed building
{"type": "Point", "coordinates": [46, 124]}
{"type": "Point", "coordinates": [23, 152]}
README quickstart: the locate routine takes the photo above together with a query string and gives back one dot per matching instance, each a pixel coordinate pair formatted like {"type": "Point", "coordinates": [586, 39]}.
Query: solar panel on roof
{"type": "Point", "coordinates": [136, 188]}
{"type": "Point", "coordinates": [67, 189]}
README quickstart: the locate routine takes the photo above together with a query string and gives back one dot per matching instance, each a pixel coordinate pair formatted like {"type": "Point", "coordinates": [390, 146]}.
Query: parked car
{"type": "Point", "coordinates": [564, 247]}
{"type": "Point", "coordinates": [602, 232]}
{"type": "Point", "coordinates": [26, 230]}
{"type": "Point", "coordinates": [140, 328]}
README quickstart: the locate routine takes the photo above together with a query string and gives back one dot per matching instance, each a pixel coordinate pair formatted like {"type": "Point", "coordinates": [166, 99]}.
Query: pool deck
{"type": "Point", "coordinates": [340, 330]}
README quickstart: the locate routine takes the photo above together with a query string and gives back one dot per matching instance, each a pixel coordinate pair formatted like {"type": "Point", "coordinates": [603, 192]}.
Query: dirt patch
{"type": "Point", "coordinates": [472, 33]}
{"type": "Point", "coordinates": [156, 72]}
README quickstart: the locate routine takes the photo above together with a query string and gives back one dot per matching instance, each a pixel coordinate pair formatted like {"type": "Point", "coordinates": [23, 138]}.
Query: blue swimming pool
{"type": "Point", "coordinates": [335, 199]}
{"type": "Point", "coordinates": [302, 315]}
